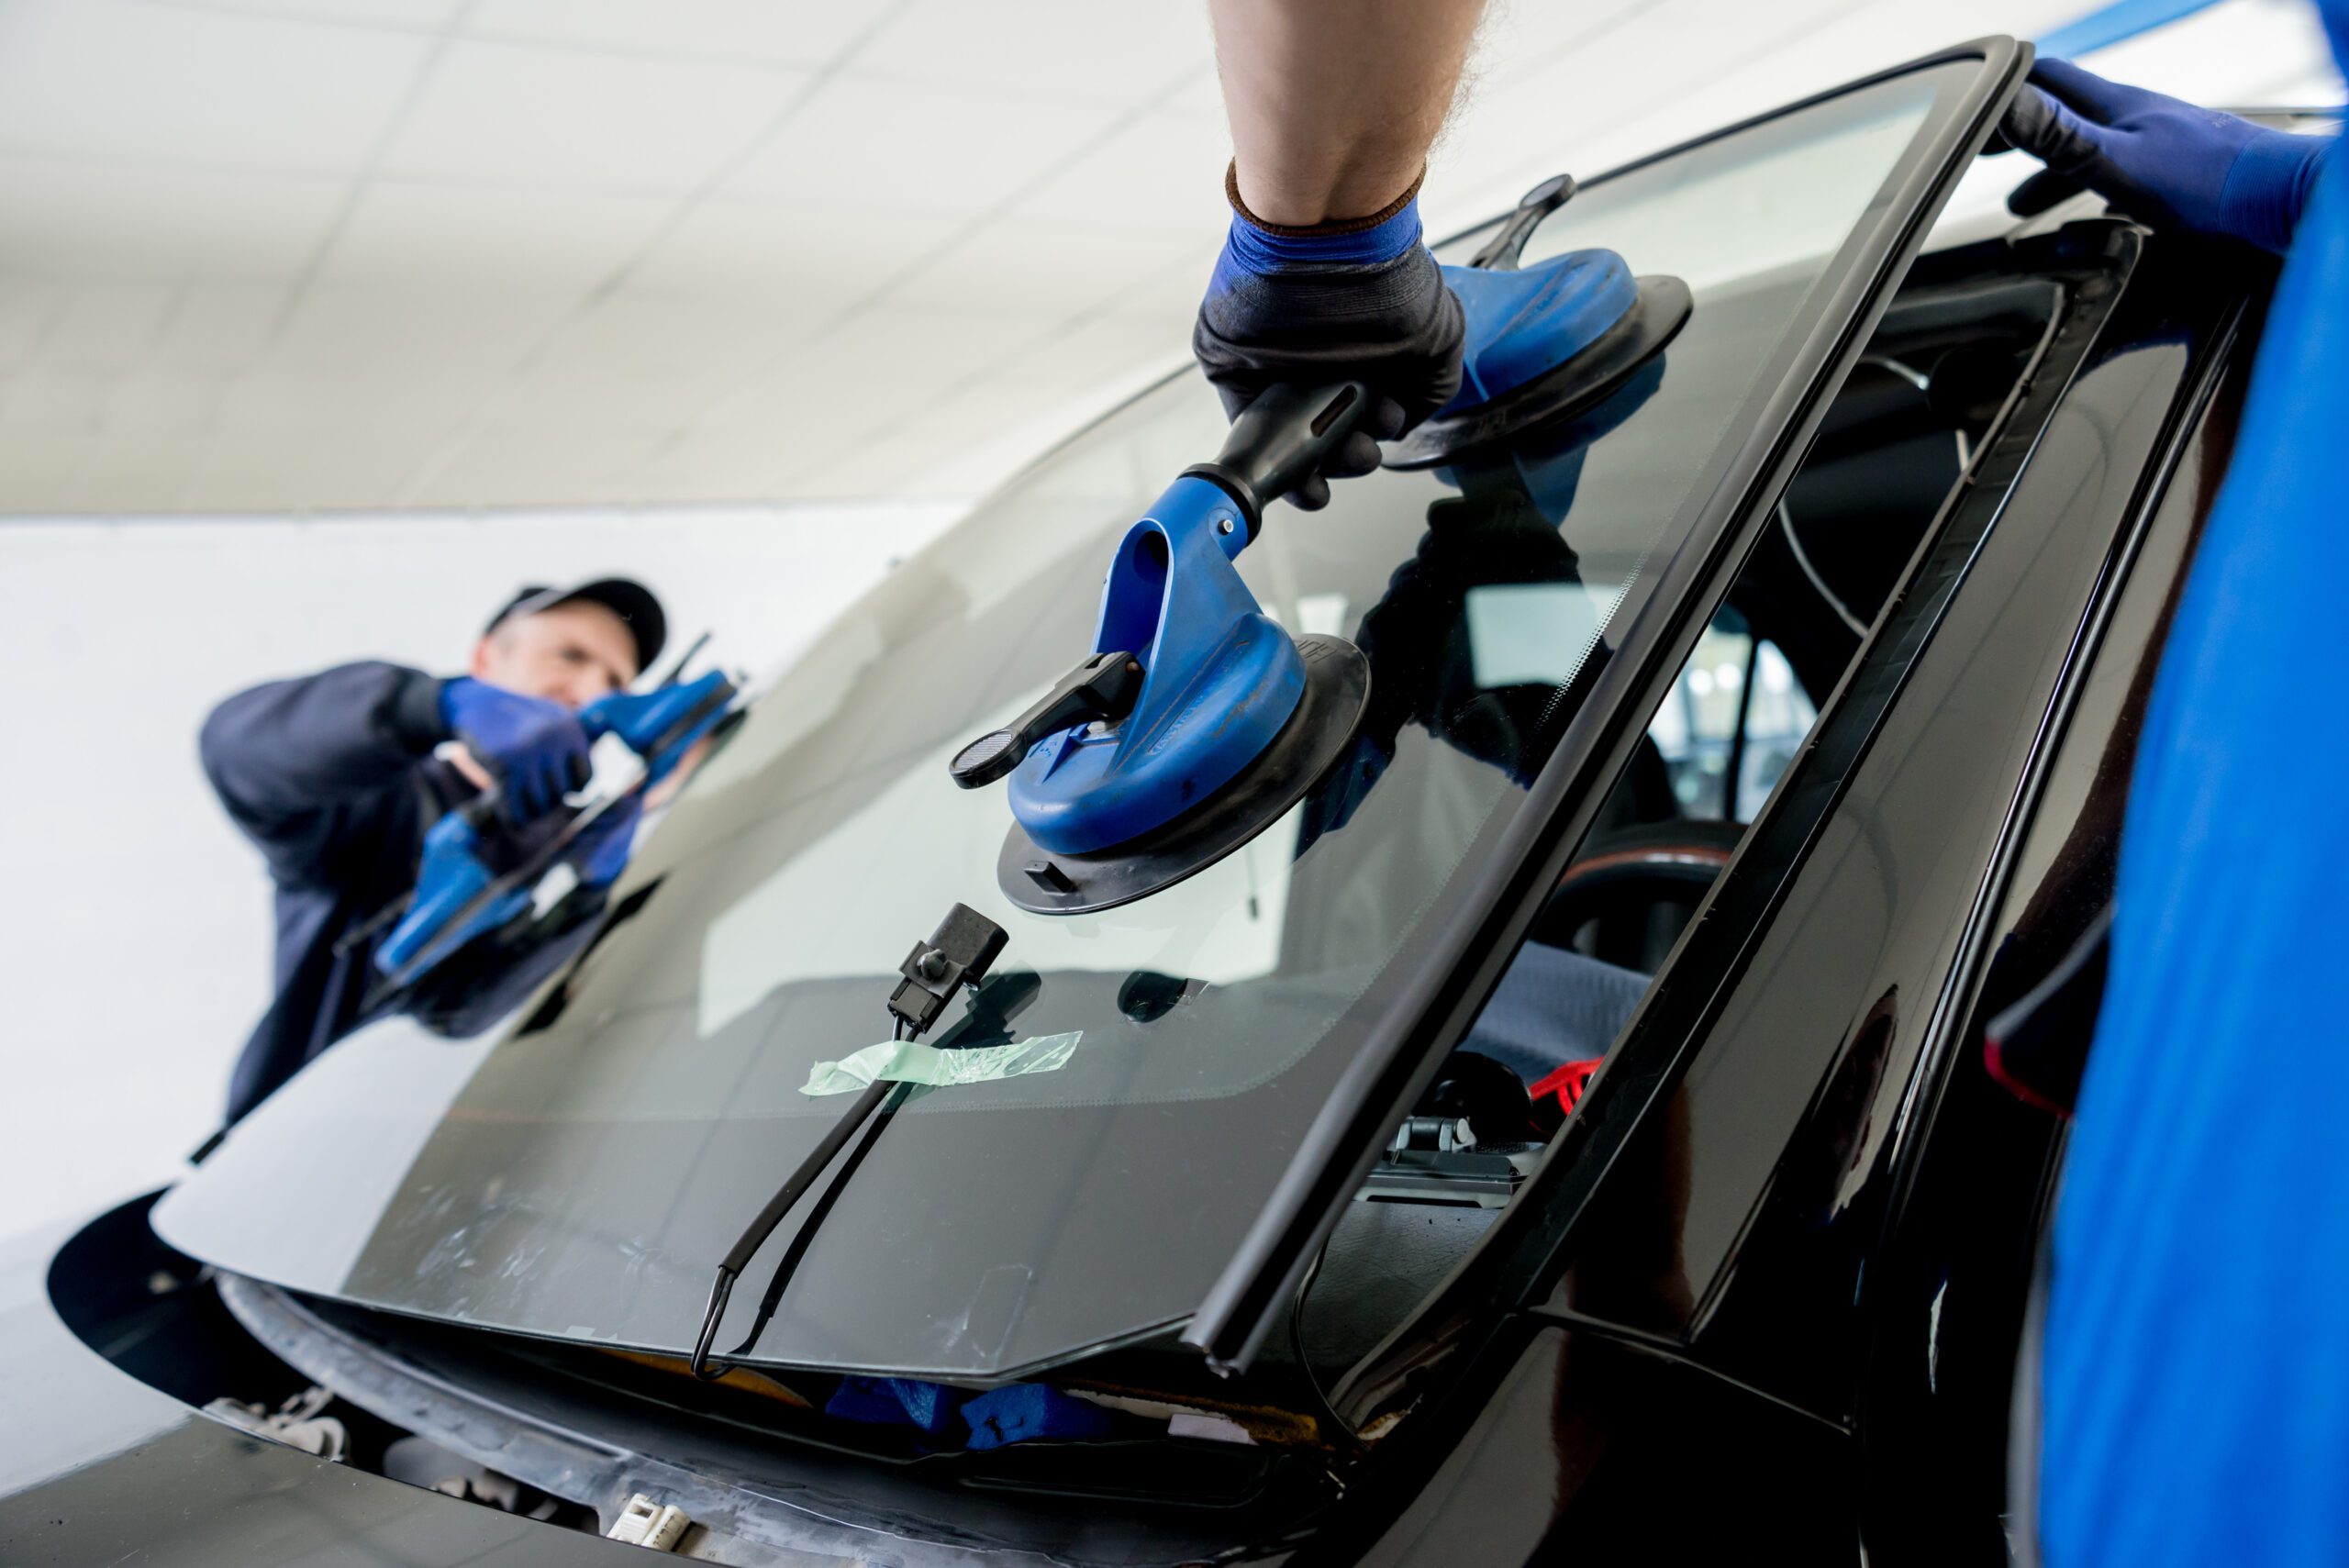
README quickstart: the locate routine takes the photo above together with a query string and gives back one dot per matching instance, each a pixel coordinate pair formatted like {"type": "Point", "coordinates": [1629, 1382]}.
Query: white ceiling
{"type": "Point", "coordinates": [461, 253]}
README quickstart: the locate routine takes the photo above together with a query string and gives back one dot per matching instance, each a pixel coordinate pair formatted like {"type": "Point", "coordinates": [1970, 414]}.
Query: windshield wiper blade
{"type": "Point", "coordinates": [988, 1022]}
{"type": "Point", "coordinates": [957, 956]}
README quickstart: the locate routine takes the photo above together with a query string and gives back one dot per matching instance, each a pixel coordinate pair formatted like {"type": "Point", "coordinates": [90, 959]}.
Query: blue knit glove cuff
{"type": "Point", "coordinates": [1254, 249]}
{"type": "Point", "coordinates": [1359, 300]}
{"type": "Point", "coordinates": [2267, 187]}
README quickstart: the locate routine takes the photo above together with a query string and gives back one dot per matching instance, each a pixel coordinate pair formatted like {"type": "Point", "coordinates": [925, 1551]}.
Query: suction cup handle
{"type": "Point", "coordinates": [1502, 252]}
{"type": "Point", "coordinates": [1279, 439]}
{"type": "Point", "coordinates": [1103, 687]}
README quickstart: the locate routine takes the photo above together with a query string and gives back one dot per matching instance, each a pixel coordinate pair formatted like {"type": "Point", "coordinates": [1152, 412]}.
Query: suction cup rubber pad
{"type": "Point", "coordinates": [1581, 383]}
{"type": "Point", "coordinates": [1337, 691]}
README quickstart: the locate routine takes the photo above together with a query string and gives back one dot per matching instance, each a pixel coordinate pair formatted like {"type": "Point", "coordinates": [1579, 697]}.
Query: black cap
{"type": "Point", "coordinates": [633, 602]}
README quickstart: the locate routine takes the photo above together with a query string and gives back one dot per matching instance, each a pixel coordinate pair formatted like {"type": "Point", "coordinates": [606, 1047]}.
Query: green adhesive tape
{"type": "Point", "coordinates": [910, 1061]}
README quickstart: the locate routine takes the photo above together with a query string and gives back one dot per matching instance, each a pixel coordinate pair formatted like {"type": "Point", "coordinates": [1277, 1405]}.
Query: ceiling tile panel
{"type": "Point", "coordinates": [889, 360]}
{"type": "Point", "coordinates": [221, 328]}
{"type": "Point", "coordinates": [526, 464]}
{"type": "Point", "coordinates": [414, 15]}
{"type": "Point", "coordinates": [97, 79]}
{"type": "Point", "coordinates": [764, 250]}
{"type": "Point", "coordinates": [44, 469]}
{"type": "Point", "coordinates": [925, 262]}
{"type": "Point", "coordinates": [269, 471]}
{"type": "Point", "coordinates": [107, 327]}
{"type": "Point", "coordinates": [741, 461]}
{"type": "Point", "coordinates": [1167, 298]}
{"type": "Point", "coordinates": [1102, 351]}
{"type": "Point", "coordinates": [982, 413]}
{"type": "Point", "coordinates": [70, 220]}
{"type": "Point", "coordinates": [372, 330]}
{"type": "Point", "coordinates": [493, 242]}
{"type": "Point", "coordinates": [1519, 41]}
{"type": "Point", "coordinates": [1077, 50]}
{"type": "Point", "coordinates": [60, 403]}
{"type": "Point", "coordinates": [891, 466]}
{"type": "Point", "coordinates": [978, 440]}
{"type": "Point", "coordinates": [502, 112]}
{"type": "Point", "coordinates": [1042, 266]}
{"type": "Point", "coordinates": [979, 467]}
{"type": "Point", "coordinates": [598, 403]}
{"type": "Point", "coordinates": [55, 405]}
{"type": "Point", "coordinates": [1200, 94]}
{"type": "Point", "coordinates": [312, 403]}
{"type": "Point", "coordinates": [666, 337]}
{"type": "Point", "coordinates": [150, 474]}
{"type": "Point", "coordinates": [786, 32]}
{"type": "Point", "coordinates": [898, 145]}
{"type": "Point", "coordinates": [28, 305]}
{"type": "Point", "coordinates": [1162, 170]}
{"type": "Point", "coordinates": [159, 405]}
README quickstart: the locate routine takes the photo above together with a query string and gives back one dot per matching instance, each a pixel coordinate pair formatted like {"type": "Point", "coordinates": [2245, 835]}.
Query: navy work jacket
{"type": "Point", "coordinates": [332, 777]}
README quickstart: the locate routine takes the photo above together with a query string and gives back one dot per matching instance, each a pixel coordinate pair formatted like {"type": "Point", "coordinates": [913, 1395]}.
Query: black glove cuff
{"type": "Point", "coordinates": [413, 712]}
{"type": "Point", "coordinates": [1396, 326]}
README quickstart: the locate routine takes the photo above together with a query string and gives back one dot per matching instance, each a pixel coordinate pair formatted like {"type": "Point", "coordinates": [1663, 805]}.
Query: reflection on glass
{"type": "Point", "coordinates": [478, 986]}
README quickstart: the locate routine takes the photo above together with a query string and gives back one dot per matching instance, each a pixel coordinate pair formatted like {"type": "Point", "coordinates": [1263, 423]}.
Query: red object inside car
{"type": "Point", "coordinates": [1564, 1083]}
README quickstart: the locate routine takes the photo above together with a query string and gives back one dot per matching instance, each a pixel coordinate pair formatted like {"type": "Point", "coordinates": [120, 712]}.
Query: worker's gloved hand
{"type": "Point", "coordinates": [536, 748]}
{"type": "Point", "coordinates": [602, 849]}
{"type": "Point", "coordinates": [2159, 158]}
{"type": "Point", "coordinates": [1362, 301]}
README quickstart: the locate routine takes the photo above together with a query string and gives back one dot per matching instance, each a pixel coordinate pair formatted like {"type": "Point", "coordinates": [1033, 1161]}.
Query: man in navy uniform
{"type": "Point", "coordinates": [335, 778]}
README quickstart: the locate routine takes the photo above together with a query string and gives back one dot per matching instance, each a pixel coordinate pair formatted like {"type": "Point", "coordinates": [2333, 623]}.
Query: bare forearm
{"type": "Point", "coordinates": [1335, 103]}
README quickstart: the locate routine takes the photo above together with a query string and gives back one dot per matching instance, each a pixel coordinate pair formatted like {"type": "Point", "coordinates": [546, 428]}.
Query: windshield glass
{"type": "Point", "coordinates": [580, 1174]}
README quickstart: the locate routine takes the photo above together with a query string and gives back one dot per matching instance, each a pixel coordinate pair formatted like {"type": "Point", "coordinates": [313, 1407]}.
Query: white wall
{"type": "Point", "coordinates": [135, 933]}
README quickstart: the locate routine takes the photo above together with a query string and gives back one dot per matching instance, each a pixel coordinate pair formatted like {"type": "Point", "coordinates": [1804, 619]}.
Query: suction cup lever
{"type": "Point", "coordinates": [1103, 687]}
{"type": "Point", "coordinates": [1279, 439]}
{"type": "Point", "coordinates": [1502, 252]}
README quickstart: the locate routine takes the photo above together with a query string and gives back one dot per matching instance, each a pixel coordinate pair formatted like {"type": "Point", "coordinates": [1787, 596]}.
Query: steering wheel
{"type": "Point", "coordinates": [1653, 862]}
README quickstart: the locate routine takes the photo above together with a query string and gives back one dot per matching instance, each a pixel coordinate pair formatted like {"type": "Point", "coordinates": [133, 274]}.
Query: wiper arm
{"type": "Point", "coordinates": [988, 1022]}
{"type": "Point", "coordinates": [958, 955]}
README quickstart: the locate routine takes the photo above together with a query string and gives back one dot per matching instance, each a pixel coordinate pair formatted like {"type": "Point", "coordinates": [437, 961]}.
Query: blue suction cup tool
{"type": "Point", "coordinates": [1198, 721]}
{"type": "Point", "coordinates": [1544, 342]}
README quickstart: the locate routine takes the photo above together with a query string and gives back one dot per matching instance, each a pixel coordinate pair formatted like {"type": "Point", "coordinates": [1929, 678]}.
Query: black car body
{"type": "Point", "coordinates": [1839, 764]}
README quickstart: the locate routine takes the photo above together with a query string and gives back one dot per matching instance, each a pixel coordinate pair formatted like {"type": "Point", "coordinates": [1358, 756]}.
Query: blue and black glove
{"type": "Point", "coordinates": [2159, 158]}
{"type": "Point", "coordinates": [536, 748]}
{"type": "Point", "coordinates": [1360, 300]}
{"type": "Point", "coordinates": [602, 849]}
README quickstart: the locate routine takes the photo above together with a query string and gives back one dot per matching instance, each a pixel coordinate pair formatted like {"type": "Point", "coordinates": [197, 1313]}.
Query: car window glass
{"type": "Point", "coordinates": [619, 1138]}
{"type": "Point", "coordinates": [1772, 194]}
